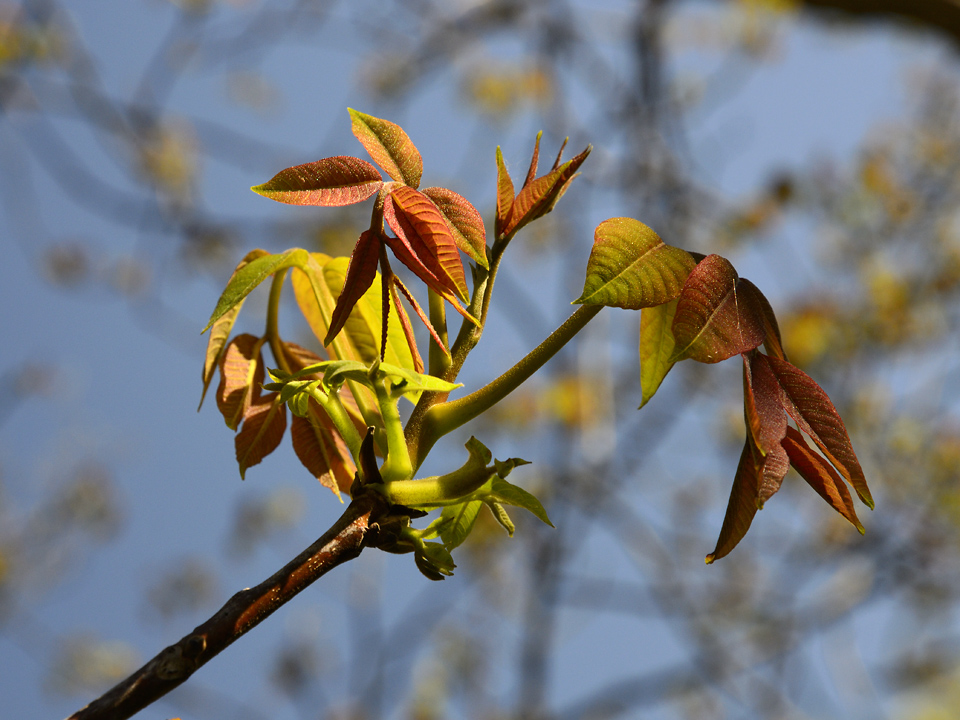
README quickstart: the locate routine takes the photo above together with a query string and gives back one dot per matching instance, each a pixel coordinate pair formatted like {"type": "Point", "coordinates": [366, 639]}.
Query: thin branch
{"type": "Point", "coordinates": [357, 528]}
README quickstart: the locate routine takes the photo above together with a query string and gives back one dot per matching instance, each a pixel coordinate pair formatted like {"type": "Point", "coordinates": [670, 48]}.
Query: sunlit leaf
{"type": "Point", "coordinates": [464, 221]}
{"type": "Point", "coordinates": [331, 182]}
{"type": "Point", "coordinates": [241, 372]}
{"type": "Point", "coordinates": [501, 516]}
{"type": "Point", "coordinates": [246, 278]}
{"type": "Point", "coordinates": [656, 347]}
{"type": "Point", "coordinates": [317, 288]}
{"type": "Point", "coordinates": [505, 194]}
{"type": "Point", "coordinates": [539, 197]}
{"type": "Point", "coordinates": [715, 320]}
{"type": "Point", "coordinates": [534, 161]}
{"type": "Point", "coordinates": [815, 415]}
{"type": "Point", "coordinates": [456, 522]}
{"type": "Point", "coordinates": [389, 146]}
{"type": "Point", "coordinates": [262, 431]}
{"type": "Point", "coordinates": [361, 273]}
{"type": "Point", "coordinates": [766, 423]}
{"type": "Point", "coordinates": [509, 494]}
{"type": "Point", "coordinates": [631, 267]}
{"type": "Point", "coordinates": [742, 506]}
{"type": "Point", "coordinates": [420, 226]}
{"type": "Point", "coordinates": [821, 476]}
{"type": "Point", "coordinates": [220, 330]}
{"type": "Point", "coordinates": [772, 341]}
{"type": "Point", "coordinates": [322, 451]}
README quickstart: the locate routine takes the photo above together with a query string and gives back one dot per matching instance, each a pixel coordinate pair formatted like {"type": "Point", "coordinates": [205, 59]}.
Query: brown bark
{"type": "Point", "coordinates": [357, 528]}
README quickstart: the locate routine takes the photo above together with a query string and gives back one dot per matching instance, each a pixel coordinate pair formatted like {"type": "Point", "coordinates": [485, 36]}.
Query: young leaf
{"type": "Point", "coordinates": [361, 273]}
{"type": "Point", "coordinates": [820, 476]}
{"type": "Point", "coordinates": [656, 347]}
{"type": "Point", "coordinates": [539, 197]}
{"type": "Point", "coordinates": [771, 329]}
{"type": "Point", "coordinates": [815, 415]}
{"type": "Point", "coordinates": [504, 195]}
{"type": "Point", "coordinates": [246, 278]}
{"type": "Point", "coordinates": [331, 182]}
{"type": "Point", "coordinates": [262, 431]}
{"type": "Point", "coordinates": [742, 505]}
{"type": "Point", "coordinates": [456, 522]}
{"type": "Point", "coordinates": [509, 494]}
{"type": "Point", "coordinates": [464, 222]}
{"type": "Point", "coordinates": [631, 267]}
{"type": "Point", "coordinates": [221, 330]}
{"type": "Point", "coordinates": [535, 160]}
{"type": "Point", "coordinates": [500, 513]}
{"type": "Point", "coordinates": [317, 288]}
{"type": "Point", "coordinates": [420, 226]}
{"type": "Point", "coordinates": [241, 372]}
{"type": "Point", "coordinates": [389, 146]}
{"type": "Point", "coordinates": [715, 319]}
{"type": "Point", "coordinates": [321, 449]}
{"type": "Point", "coordinates": [766, 423]}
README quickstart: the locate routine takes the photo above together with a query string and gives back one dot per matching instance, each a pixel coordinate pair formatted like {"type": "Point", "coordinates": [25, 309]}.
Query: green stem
{"type": "Point", "coordinates": [438, 490]}
{"type": "Point", "coordinates": [397, 464]}
{"type": "Point", "coordinates": [444, 417]}
{"type": "Point", "coordinates": [438, 359]}
{"type": "Point", "coordinates": [332, 405]}
{"type": "Point", "coordinates": [273, 310]}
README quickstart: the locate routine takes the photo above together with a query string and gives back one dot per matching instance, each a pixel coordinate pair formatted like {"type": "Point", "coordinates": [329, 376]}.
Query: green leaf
{"type": "Point", "coordinates": [631, 267]}
{"type": "Point", "coordinates": [220, 330]}
{"type": "Point", "coordinates": [246, 278]}
{"type": "Point", "coordinates": [464, 221]}
{"type": "Point", "coordinates": [500, 513]}
{"type": "Point", "coordinates": [456, 522]}
{"type": "Point", "coordinates": [389, 146]}
{"type": "Point", "coordinates": [656, 347]}
{"type": "Point", "coordinates": [331, 182]}
{"type": "Point", "coordinates": [422, 228]}
{"type": "Point", "coordinates": [318, 286]}
{"type": "Point", "coordinates": [717, 315]}
{"type": "Point", "coordinates": [742, 506]}
{"type": "Point", "coordinates": [510, 494]}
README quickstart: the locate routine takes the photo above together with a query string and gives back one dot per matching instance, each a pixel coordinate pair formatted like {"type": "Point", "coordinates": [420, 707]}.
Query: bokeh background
{"type": "Point", "coordinates": [815, 146]}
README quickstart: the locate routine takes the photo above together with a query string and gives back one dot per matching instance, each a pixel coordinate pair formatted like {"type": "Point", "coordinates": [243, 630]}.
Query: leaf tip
{"type": "Point", "coordinates": [710, 558]}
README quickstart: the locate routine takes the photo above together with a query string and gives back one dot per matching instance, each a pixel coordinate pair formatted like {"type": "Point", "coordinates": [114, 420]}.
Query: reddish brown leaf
{"type": "Point", "coordinates": [361, 273]}
{"type": "Point", "coordinates": [815, 415]}
{"type": "Point", "coordinates": [540, 196]}
{"type": "Point", "coordinates": [464, 221]}
{"type": "Point", "coordinates": [262, 431]}
{"type": "Point", "coordinates": [389, 146]}
{"type": "Point", "coordinates": [321, 450]}
{"type": "Point", "coordinates": [331, 182]}
{"type": "Point", "coordinates": [742, 505]}
{"type": "Point", "coordinates": [220, 330]}
{"type": "Point", "coordinates": [766, 423]}
{"type": "Point", "coordinates": [420, 226]}
{"type": "Point", "coordinates": [241, 373]}
{"type": "Point", "coordinates": [504, 195]}
{"type": "Point", "coordinates": [395, 288]}
{"type": "Point", "coordinates": [535, 160]}
{"type": "Point", "coordinates": [299, 357]}
{"type": "Point", "coordinates": [714, 319]}
{"type": "Point", "coordinates": [771, 329]}
{"type": "Point", "coordinates": [821, 476]}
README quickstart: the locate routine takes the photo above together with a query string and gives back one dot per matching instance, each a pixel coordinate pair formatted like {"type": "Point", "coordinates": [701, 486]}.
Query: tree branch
{"type": "Point", "coordinates": [357, 528]}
